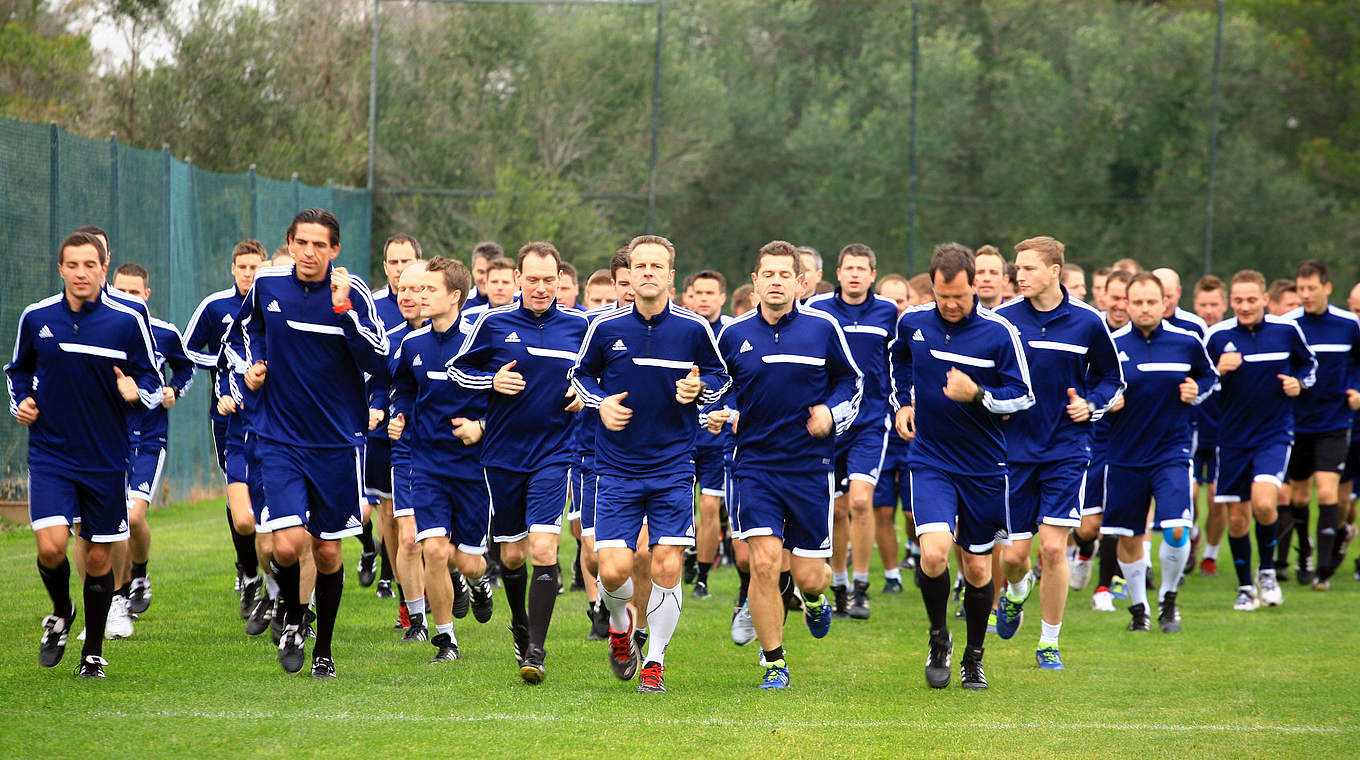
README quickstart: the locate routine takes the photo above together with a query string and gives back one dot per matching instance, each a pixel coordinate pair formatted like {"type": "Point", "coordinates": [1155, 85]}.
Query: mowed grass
{"type": "Point", "coordinates": [1273, 683]}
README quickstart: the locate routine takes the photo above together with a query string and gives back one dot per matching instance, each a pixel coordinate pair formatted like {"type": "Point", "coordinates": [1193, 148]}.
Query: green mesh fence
{"type": "Point", "coordinates": [177, 220]}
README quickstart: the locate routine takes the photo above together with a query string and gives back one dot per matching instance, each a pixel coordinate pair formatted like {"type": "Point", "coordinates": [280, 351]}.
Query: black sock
{"type": "Point", "coordinates": [977, 605]}
{"type": "Point", "coordinates": [1301, 530]}
{"type": "Point", "coordinates": [702, 577]}
{"type": "Point", "coordinates": [1284, 529]}
{"type": "Point", "coordinates": [98, 597]}
{"type": "Point", "coordinates": [329, 587]}
{"type": "Point", "coordinates": [401, 595]}
{"type": "Point", "coordinates": [366, 538]}
{"type": "Point", "coordinates": [246, 559]}
{"type": "Point", "coordinates": [1109, 560]}
{"type": "Point", "coordinates": [1328, 517]}
{"type": "Point", "coordinates": [1086, 547]}
{"type": "Point", "coordinates": [745, 584]}
{"type": "Point", "coordinates": [289, 578]}
{"type": "Point", "coordinates": [786, 588]}
{"type": "Point", "coordinates": [772, 655]}
{"type": "Point", "coordinates": [542, 597]}
{"type": "Point", "coordinates": [516, 584]}
{"type": "Point", "coordinates": [384, 567]}
{"type": "Point", "coordinates": [1240, 546]}
{"type": "Point", "coordinates": [124, 590]}
{"type": "Point", "coordinates": [935, 594]}
{"type": "Point", "coordinates": [1265, 544]}
{"type": "Point", "coordinates": [57, 581]}
{"type": "Point", "coordinates": [139, 569]}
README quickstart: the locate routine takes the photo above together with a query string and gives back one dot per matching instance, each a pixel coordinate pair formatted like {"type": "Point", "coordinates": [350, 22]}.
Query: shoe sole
{"type": "Point", "coordinates": [531, 674]}
{"type": "Point", "coordinates": [974, 686]}
{"type": "Point", "coordinates": [859, 616]}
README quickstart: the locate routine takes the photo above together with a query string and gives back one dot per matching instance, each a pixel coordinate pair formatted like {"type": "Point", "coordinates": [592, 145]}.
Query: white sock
{"type": "Point", "coordinates": [893, 574]}
{"type": "Point", "coordinates": [445, 628]}
{"type": "Point", "coordinates": [1173, 564]}
{"type": "Point", "coordinates": [663, 615]}
{"type": "Point", "coordinates": [415, 606]}
{"type": "Point", "coordinates": [1019, 590]}
{"type": "Point", "coordinates": [1135, 575]}
{"type": "Point", "coordinates": [1147, 555]}
{"type": "Point", "coordinates": [841, 580]}
{"type": "Point", "coordinates": [616, 602]}
{"type": "Point", "coordinates": [271, 587]}
{"type": "Point", "coordinates": [1211, 551]}
{"type": "Point", "coordinates": [860, 578]}
{"type": "Point", "coordinates": [1048, 633]}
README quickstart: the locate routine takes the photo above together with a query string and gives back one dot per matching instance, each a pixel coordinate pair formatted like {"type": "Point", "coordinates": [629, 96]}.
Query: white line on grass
{"type": "Point", "coordinates": [253, 715]}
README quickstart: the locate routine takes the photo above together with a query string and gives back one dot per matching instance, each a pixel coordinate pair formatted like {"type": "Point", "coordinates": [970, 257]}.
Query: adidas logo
{"type": "Point", "coordinates": [226, 319]}
{"type": "Point", "coordinates": [45, 332]}
{"type": "Point", "coordinates": [745, 346]}
{"type": "Point", "coordinates": [690, 531]}
{"type": "Point", "coordinates": [918, 336]}
{"type": "Point", "coordinates": [264, 515]}
{"type": "Point", "coordinates": [353, 522]}
{"type": "Point", "coordinates": [144, 487]}
{"type": "Point", "coordinates": [273, 306]}
{"type": "Point", "coordinates": [1123, 357]}
{"type": "Point", "coordinates": [512, 338]}
{"type": "Point", "coordinates": [418, 362]}
{"type": "Point", "coordinates": [543, 577]}
{"type": "Point", "coordinates": [123, 526]}
{"type": "Point", "coordinates": [1229, 348]}
{"type": "Point", "coordinates": [826, 544]}
{"type": "Point", "coordinates": [618, 346]}
{"type": "Point", "coordinates": [1074, 514]}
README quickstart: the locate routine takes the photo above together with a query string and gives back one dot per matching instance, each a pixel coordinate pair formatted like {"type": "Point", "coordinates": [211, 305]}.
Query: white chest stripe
{"type": "Point", "coordinates": [866, 329]}
{"type": "Point", "coordinates": [971, 361]}
{"type": "Point", "coordinates": [551, 353]}
{"type": "Point", "coordinates": [1054, 345]}
{"type": "Point", "coordinates": [85, 348]}
{"type": "Point", "coordinates": [1331, 348]}
{"type": "Point", "coordinates": [312, 327]}
{"type": "Point", "coordinates": [666, 363]}
{"type": "Point", "coordinates": [812, 361]}
{"type": "Point", "coordinates": [1273, 356]}
{"type": "Point", "coordinates": [1164, 367]}
{"type": "Point", "coordinates": [440, 375]}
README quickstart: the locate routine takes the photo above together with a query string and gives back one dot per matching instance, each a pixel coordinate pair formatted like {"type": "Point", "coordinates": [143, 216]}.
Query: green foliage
{"type": "Point", "coordinates": [45, 75]}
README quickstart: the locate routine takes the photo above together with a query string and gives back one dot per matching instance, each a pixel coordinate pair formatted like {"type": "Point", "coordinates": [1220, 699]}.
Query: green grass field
{"type": "Point", "coordinates": [1273, 683]}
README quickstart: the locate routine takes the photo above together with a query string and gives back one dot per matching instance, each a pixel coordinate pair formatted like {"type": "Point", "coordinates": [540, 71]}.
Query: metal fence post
{"type": "Point", "coordinates": [113, 193]}
{"type": "Point", "coordinates": [1213, 146]}
{"type": "Point", "coordinates": [166, 238]}
{"type": "Point", "coordinates": [297, 194]}
{"type": "Point", "coordinates": [54, 200]}
{"type": "Point", "coordinates": [656, 124]}
{"type": "Point", "coordinates": [373, 96]}
{"type": "Point", "coordinates": [911, 149]}
{"type": "Point", "coordinates": [254, 204]}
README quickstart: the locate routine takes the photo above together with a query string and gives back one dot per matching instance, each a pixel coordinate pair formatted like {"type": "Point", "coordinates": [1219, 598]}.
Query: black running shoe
{"type": "Point", "coordinates": [483, 601]}
{"type": "Point", "coordinates": [323, 667]}
{"type": "Point", "coordinates": [91, 666]}
{"type": "Point", "coordinates": [385, 590]}
{"type": "Point", "coordinates": [308, 617]}
{"type": "Point", "coordinates": [937, 660]}
{"type": "Point", "coordinates": [653, 679]}
{"type": "Point", "coordinates": [291, 649]}
{"type": "Point", "coordinates": [140, 597]}
{"type": "Point", "coordinates": [260, 617]}
{"type": "Point", "coordinates": [623, 652]}
{"type": "Point", "coordinates": [1141, 621]}
{"type": "Point", "coordinates": [460, 594]}
{"type": "Point", "coordinates": [599, 622]}
{"type": "Point", "coordinates": [841, 602]}
{"type": "Point", "coordinates": [368, 568]}
{"type": "Point", "coordinates": [53, 643]}
{"type": "Point", "coordinates": [970, 670]}
{"type": "Point", "coordinates": [250, 591]}
{"type": "Point", "coordinates": [417, 631]}
{"type": "Point", "coordinates": [701, 590]}
{"type": "Point", "coordinates": [532, 670]}
{"type": "Point", "coordinates": [640, 640]}
{"type": "Point", "coordinates": [519, 639]}
{"type": "Point", "coordinates": [445, 649]}
{"type": "Point", "coordinates": [1166, 618]}
{"type": "Point", "coordinates": [276, 622]}
{"type": "Point", "coordinates": [691, 565]}
{"type": "Point", "coordinates": [859, 601]}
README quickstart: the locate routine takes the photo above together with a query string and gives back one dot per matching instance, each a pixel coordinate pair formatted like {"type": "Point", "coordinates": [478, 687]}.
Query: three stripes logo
{"type": "Point", "coordinates": [418, 362]}
{"type": "Point", "coordinates": [45, 332]}
{"type": "Point", "coordinates": [918, 336]}
{"type": "Point", "coordinates": [513, 337]}
{"type": "Point", "coordinates": [745, 346]}
{"type": "Point", "coordinates": [353, 522]}
{"type": "Point", "coordinates": [618, 346]}
{"type": "Point", "coordinates": [273, 306]}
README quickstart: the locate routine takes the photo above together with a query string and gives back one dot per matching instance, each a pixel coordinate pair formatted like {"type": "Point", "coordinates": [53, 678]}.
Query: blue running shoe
{"type": "Point", "coordinates": [777, 673]}
{"type": "Point", "coordinates": [817, 615]}
{"type": "Point", "coordinates": [1009, 616]}
{"type": "Point", "coordinates": [1048, 658]}
{"type": "Point", "coordinates": [1118, 588]}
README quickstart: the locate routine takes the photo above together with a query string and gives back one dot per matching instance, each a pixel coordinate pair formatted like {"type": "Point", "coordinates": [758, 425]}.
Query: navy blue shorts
{"type": "Point", "coordinates": [255, 482]}
{"type": "Point", "coordinates": [972, 507]}
{"type": "Point", "coordinates": [1206, 465]}
{"type": "Point", "coordinates": [584, 487]}
{"type": "Point", "coordinates": [526, 502]}
{"type": "Point", "coordinates": [1132, 491]}
{"type": "Point", "coordinates": [458, 508]}
{"type": "Point", "coordinates": [894, 482]}
{"type": "Point", "coordinates": [401, 484]}
{"type": "Point", "coordinates": [1093, 491]}
{"type": "Point", "coordinates": [859, 456]}
{"type": "Point", "coordinates": [319, 489]}
{"type": "Point", "coordinates": [1239, 468]}
{"type": "Point", "coordinates": [219, 429]}
{"type": "Point", "coordinates": [95, 500]}
{"type": "Point", "coordinates": [378, 469]}
{"type": "Point", "coordinates": [710, 468]}
{"type": "Point", "coordinates": [795, 507]}
{"type": "Point", "coordinates": [665, 502]}
{"type": "Point", "coordinates": [145, 467]}
{"type": "Point", "coordinates": [235, 460]}
{"type": "Point", "coordinates": [1049, 493]}
{"type": "Point", "coordinates": [1351, 472]}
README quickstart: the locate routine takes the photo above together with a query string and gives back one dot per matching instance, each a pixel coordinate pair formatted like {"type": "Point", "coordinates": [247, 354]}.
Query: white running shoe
{"type": "Point", "coordinates": [1246, 599]}
{"type": "Point", "coordinates": [1271, 595]}
{"type": "Point", "coordinates": [1102, 601]}
{"type": "Point", "coordinates": [119, 623]}
{"type": "Point", "coordinates": [1080, 574]}
{"type": "Point", "coordinates": [743, 630]}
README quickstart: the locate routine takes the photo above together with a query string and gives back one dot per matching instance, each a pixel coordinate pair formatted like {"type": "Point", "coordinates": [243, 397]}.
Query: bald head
{"type": "Point", "coordinates": [1171, 289]}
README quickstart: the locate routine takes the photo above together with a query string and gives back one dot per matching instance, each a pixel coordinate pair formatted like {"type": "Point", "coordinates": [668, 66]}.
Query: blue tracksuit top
{"type": "Point", "coordinates": [869, 328]}
{"type": "Point", "coordinates": [152, 426]}
{"type": "Point", "coordinates": [583, 431]}
{"type": "Point", "coordinates": [1068, 347]}
{"type": "Point", "coordinates": [203, 335]}
{"type": "Point", "coordinates": [401, 448]}
{"type": "Point", "coordinates": [778, 371]}
{"type": "Point", "coordinates": [1153, 428]}
{"type": "Point", "coordinates": [706, 441]}
{"type": "Point", "coordinates": [1204, 416]}
{"type": "Point", "coordinates": [1253, 410]}
{"type": "Point", "coordinates": [1334, 336]}
{"type": "Point", "coordinates": [960, 438]}
{"type": "Point", "coordinates": [64, 360]}
{"type": "Point", "coordinates": [644, 357]}
{"type": "Point", "coordinates": [530, 429]}
{"type": "Point", "coordinates": [313, 393]}
{"type": "Point", "coordinates": [422, 390]}
{"type": "Point", "coordinates": [379, 386]}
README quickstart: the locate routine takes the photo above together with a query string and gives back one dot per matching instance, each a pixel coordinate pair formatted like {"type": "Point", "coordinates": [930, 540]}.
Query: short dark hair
{"type": "Point", "coordinates": [1102, 272]}
{"type": "Point", "coordinates": [1208, 283]}
{"type": "Point", "coordinates": [810, 251]}
{"type": "Point", "coordinates": [1278, 288]}
{"type": "Point", "coordinates": [1313, 268]}
{"type": "Point", "coordinates": [989, 250]}
{"type": "Point", "coordinates": [565, 268]}
{"type": "Point", "coordinates": [782, 248]}
{"type": "Point", "coordinates": [1250, 275]}
{"type": "Point", "coordinates": [688, 282]}
{"type": "Point", "coordinates": [248, 247]}
{"type": "Point", "coordinates": [402, 237]}
{"type": "Point", "coordinates": [652, 240]}
{"type": "Point", "coordinates": [921, 286]}
{"type": "Point", "coordinates": [456, 276]}
{"type": "Point", "coordinates": [1142, 277]}
{"type": "Point", "coordinates": [1050, 250]}
{"type": "Point", "coordinates": [861, 250]}
{"type": "Point", "coordinates": [894, 277]}
{"type": "Point", "coordinates": [487, 250]}
{"type": "Point", "coordinates": [949, 259]}
{"type": "Point", "coordinates": [78, 239]}
{"type": "Point", "coordinates": [712, 274]}
{"type": "Point", "coordinates": [600, 277]}
{"type": "Point", "coordinates": [134, 270]}
{"type": "Point", "coordinates": [538, 248]}
{"type": "Point", "coordinates": [105, 245]}
{"type": "Point", "coordinates": [618, 261]}
{"type": "Point", "coordinates": [316, 216]}
{"type": "Point", "coordinates": [500, 262]}
{"type": "Point", "coordinates": [1011, 271]}
{"type": "Point", "coordinates": [1119, 275]}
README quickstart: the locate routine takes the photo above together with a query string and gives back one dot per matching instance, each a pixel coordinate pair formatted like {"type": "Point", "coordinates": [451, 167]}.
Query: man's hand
{"type": "Point", "coordinates": [1077, 408]}
{"type": "Point", "coordinates": [716, 420]}
{"type": "Point", "coordinates": [906, 422]}
{"type": "Point", "coordinates": [959, 386]}
{"type": "Point", "coordinates": [1189, 390]}
{"type": "Point", "coordinates": [127, 387]}
{"type": "Point", "coordinates": [28, 411]}
{"type": "Point", "coordinates": [255, 376]}
{"type": "Point", "coordinates": [1114, 407]}
{"type": "Point", "coordinates": [820, 424]}
{"type": "Point", "coordinates": [1229, 361]}
{"type": "Point", "coordinates": [1292, 386]}
{"type": "Point", "coordinates": [466, 430]}
{"type": "Point", "coordinates": [1353, 398]}
{"type": "Point", "coordinates": [226, 405]}
{"type": "Point", "coordinates": [577, 403]}
{"type": "Point", "coordinates": [168, 397]}
{"type": "Point", "coordinates": [396, 426]}
{"type": "Point", "coordinates": [689, 387]}
{"type": "Point", "coordinates": [614, 414]}
{"type": "Point", "coordinates": [340, 283]}
{"type": "Point", "coordinates": [507, 381]}
{"type": "Point", "coordinates": [375, 418]}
